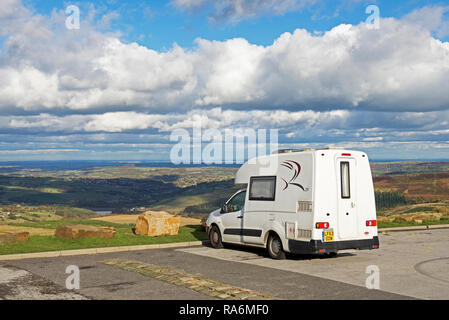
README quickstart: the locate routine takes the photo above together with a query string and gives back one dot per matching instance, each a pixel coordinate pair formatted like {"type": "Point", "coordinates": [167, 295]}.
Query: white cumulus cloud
{"type": "Point", "coordinates": [348, 84]}
{"type": "Point", "coordinates": [401, 66]}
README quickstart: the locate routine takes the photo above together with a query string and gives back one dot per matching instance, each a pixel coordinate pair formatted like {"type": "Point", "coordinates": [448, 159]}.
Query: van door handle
{"type": "Point", "coordinates": [240, 217]}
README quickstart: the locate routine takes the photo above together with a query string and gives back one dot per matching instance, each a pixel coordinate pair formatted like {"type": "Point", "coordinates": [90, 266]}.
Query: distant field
{"type": "Point", "coordinates": [420, 192]}
{"type": "Point", "coordinates": [401, 167]}
{"type": "Point", "coordinates": [131, 219]}
{"type": "Point", "coordinates": [217, 193]}
{"type": "Point", "coordinates": [118, 189]}
{"type": "Point", "coordinates": [180, 177]}
{"type": "Point", "coordinates": [418, 186]}
{"type": "Point", "coordinates": [193, 191]}
{"type": "Point", "coordinates": [23, 213]}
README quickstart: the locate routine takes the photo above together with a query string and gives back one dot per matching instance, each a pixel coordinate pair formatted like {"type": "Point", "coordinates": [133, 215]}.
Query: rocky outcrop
{"type": "Point", "coordinates": [157, 223]}
{"type": "Point", "coordinates": [10, 237]}
{"type": "Point", "coordinates": [84, 231]}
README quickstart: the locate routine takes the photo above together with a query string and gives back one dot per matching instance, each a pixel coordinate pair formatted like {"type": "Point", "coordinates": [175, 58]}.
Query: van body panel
{"type": "Point", "coordinates": [327, 186]}
{"type": "Point", "coordinates": [293, 184]}
{"type": "Point", "coordinates": [271, 226]}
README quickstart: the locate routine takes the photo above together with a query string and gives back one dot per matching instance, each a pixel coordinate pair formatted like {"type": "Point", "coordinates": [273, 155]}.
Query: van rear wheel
{"type": "Point", "coordinates": [274, 247]}
{"type": "Point", "coordinates": [215, 238]}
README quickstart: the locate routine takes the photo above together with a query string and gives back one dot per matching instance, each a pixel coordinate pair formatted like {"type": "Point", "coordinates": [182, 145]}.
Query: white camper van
{"type": "Point", "coordinates": [304, 201]}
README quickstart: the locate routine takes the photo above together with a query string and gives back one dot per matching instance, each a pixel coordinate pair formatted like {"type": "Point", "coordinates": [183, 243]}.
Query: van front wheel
{"type": "Point", "coordinates": [215, 238]}
{"type": "Point", "coordinates": [274, 247]}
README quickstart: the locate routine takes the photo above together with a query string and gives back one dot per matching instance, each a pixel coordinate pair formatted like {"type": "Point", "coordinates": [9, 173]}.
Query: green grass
{"type": "Point", "coordinates": [124, 237]}
{"type": "Point", "coordinates": [412, 223]}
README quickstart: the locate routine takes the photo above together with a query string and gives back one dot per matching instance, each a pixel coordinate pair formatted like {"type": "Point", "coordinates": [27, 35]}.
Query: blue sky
{"type": "Point", "coordinates": [137, 70]}
{"type": "Point", "coordinates": [160, 24]}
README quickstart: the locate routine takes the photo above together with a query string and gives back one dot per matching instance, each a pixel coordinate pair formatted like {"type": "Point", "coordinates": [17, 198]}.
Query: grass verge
{"type": "Point", "coordinates": [124, 237]}
{"type": "Point", "coordinates": [412, 223]}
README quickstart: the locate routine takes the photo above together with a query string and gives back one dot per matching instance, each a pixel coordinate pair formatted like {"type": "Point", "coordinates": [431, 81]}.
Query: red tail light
{"type": "Point", "coordinates": [346, 154]}
{"type": "Point", "coordinates": [322, 225]}
{"type": "Point", "coordinates": [371, 223]}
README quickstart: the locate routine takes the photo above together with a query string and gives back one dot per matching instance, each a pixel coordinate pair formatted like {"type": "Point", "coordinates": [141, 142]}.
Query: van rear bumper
{"type": "Point", "coordinates": [317, 246]}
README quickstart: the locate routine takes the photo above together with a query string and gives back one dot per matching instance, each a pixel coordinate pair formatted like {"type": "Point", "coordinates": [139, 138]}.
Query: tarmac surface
{"type": "Point", "coordinates": [411, 264]}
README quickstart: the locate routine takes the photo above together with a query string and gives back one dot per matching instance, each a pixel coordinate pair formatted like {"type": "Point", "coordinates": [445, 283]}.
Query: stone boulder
{"type": "Point", "coordinates": [84, 231]}
{"type": "Point", "coordinates": [157, 223]}
{"type": "Point", "coordinates": [10, 237]}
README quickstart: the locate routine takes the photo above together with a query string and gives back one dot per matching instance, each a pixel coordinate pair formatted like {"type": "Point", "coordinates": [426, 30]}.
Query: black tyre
{"type": "Point", "coordinates": [274, 247]}
{"type": "Point", "coordinates": [331, 254]}
{"type": "Point", "coordinates": [215, 238]}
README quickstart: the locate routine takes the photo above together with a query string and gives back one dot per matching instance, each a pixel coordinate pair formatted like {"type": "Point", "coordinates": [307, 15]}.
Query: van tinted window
{"type": "Point", "coordinates": [262, 188]}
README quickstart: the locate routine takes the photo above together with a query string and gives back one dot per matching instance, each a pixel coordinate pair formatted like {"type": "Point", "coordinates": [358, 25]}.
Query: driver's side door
{"type": "Point", "coordinates": [232, 218]}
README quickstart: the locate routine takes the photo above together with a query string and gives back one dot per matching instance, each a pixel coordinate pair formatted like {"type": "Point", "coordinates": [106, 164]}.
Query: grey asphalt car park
{"type": "Point", "coordinates": [411, 264]}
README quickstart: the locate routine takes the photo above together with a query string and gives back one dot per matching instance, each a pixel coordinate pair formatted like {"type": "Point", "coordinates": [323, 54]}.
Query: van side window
{"type": "Point", "coordinates": [237, 203]}
{"type": "Point", "coordinates": [262, 188]}
{"type": "Point", "coordinates": [345, 184]}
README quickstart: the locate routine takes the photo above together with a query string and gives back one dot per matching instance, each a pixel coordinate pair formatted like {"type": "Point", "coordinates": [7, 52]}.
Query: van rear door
{"type": "Point", "coordinates": [347, 198]}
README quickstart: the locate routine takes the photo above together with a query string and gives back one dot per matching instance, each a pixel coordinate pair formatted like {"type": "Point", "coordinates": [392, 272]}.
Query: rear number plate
{"type": "Point", "coordinates": [328, 235]}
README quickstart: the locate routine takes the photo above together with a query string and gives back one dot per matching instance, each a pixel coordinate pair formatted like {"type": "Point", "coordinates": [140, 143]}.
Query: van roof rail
{"type": "Point", "coordinates": [330, 148]}
{"type": "Point", "coordinates": [280, 151]}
